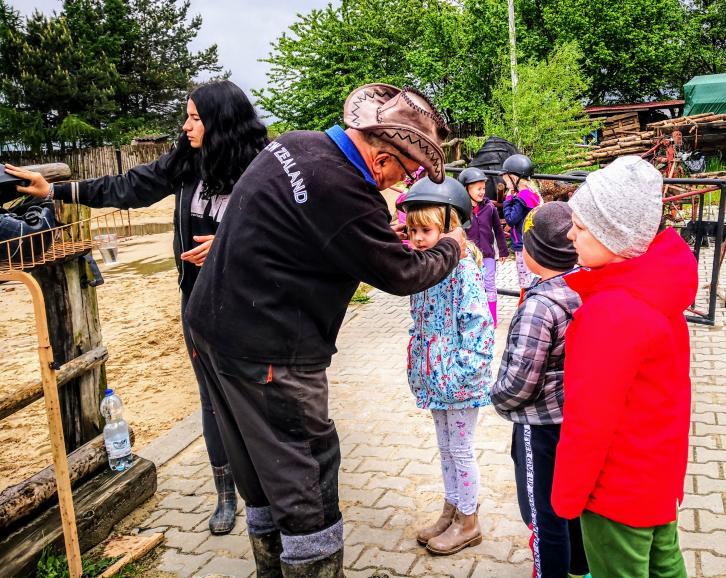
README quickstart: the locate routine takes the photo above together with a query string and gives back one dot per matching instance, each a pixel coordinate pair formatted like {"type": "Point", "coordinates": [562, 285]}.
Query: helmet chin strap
{"type": "Point", "coordinates": [516, 183]}
{"type": "Point", "coordinates": [447, 219]}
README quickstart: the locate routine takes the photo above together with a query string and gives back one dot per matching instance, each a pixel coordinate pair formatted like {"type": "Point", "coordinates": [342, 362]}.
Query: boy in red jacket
{"type": "Point", "coordinates": [623, 450]}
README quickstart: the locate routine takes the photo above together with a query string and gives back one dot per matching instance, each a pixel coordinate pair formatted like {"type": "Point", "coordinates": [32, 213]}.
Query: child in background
{"type": "Point", "coordinates": [529, 390]}
{"type": "Point", "coordinates": [485, 226]}
{"type": "Point", "coordinates": [623, 450]}
{"type": "Point", "coordinates": [522, 198]}
{"type": "Point", "coordinates": [449, 361]}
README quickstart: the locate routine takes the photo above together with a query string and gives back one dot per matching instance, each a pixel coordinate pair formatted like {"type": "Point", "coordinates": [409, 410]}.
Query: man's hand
{"type": "Point", "coordinates": [400, 230]}
{"type": "Point", "coordinates": [38, 186]}
{"type": "Point", "coordinates": [460, 237]}
{"type": "Point", "coordinates": [198, 254]}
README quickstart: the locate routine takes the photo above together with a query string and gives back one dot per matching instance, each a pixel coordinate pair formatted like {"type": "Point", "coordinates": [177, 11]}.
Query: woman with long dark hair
{"type": "Point", "coordinates": [221, 136]}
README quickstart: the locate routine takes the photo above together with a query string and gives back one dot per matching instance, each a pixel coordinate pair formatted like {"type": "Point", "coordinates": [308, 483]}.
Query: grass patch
{"type": "Point", "coordinates": [714, 164]}
{"type": "Point", "coordinates": [52, 565]}
{"type": "Point", "coordinates": [361, 294]}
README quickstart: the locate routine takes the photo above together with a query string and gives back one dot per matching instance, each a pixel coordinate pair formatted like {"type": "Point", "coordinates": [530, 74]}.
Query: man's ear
{"type": "Point", "coordinates": [381, 158]}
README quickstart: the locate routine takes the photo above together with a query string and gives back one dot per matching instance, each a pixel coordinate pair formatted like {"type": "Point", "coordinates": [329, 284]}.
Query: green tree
{"type": "Point", "coordinates": [704, 49]}
{"type": "Point", "coordinates": [52, 79]}
{"type": "Point", "coordinates": [449, 50]}
{"type": "Point", "coordinates": [328, 52]}
{"type": "Point", "coordinates": [454, 56]}
{"type": "Point", "coordinates": [544, 117]}
{"type": "Point", "coordinates": [147, 41]}
{"type": "Point", "coordinates": [633, 49]}
{"type": "Point", "coordinates": [100, 71]}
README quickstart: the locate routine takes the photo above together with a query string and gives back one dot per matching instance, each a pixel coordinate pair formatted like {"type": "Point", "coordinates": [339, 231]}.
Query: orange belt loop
{"type": "Point", "coordinates": [269, 374]}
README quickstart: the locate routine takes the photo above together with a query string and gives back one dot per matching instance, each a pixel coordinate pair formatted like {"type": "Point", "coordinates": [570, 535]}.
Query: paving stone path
{"type": "Point", "coordinates": [390, 481]}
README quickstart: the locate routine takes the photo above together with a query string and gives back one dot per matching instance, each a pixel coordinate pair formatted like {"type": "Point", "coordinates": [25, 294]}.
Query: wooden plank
{"type": "Point", "coordinates": [132, 548]}
{"type": "Point", "coordinates": [22, 499]}
{"type": "Point", "coordinates": [101, 502]}
{"type": "Point", "coordinates": [24, 396]}
{"type": "Point", "coordinates": [621, 116]}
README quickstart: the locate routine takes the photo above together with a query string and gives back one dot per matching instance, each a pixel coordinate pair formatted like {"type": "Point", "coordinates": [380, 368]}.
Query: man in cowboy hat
{"type": "Point", "coordinates": [304, 225]}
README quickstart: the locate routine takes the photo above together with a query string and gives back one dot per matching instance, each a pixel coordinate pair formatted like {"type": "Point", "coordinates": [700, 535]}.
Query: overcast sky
{"type": "Point", "coordinates": [243, 30]}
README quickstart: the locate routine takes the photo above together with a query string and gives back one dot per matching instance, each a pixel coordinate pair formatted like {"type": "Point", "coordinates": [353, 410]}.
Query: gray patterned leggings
{"type": "Point", "coordinates": [455, 434]}
{"type": "Point", "coordinates": [524, 275]}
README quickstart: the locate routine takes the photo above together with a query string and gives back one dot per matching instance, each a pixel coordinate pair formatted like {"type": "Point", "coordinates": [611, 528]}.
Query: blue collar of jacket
{"type": "Point", "coordinates": [338, 136]}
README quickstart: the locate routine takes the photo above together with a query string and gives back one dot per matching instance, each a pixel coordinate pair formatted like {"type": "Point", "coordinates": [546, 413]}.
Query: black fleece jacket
{"type": "Point", "coordinates": [301, 230]}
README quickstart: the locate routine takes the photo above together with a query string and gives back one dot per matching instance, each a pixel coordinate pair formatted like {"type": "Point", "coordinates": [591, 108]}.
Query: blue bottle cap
{"type": "Point", "coordinates": [109, 392]}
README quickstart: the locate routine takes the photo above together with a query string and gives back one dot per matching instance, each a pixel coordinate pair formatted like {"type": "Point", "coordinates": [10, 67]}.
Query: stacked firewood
{"type": "Point", "coordinates": [707, 131]}
{"type": "Point", "coordinates": [692, 123]}
{"type": "Point", "coordinates": [556, 190]}
{"type": "Point", "coordinates": [608, 150]}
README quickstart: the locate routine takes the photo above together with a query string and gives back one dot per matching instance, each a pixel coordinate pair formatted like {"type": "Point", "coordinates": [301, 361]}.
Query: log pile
{"type": "Point", "coordinates": [608, 150]}
{"type": "Point", "coordinates": [556, 190]}
{"type": "Point", "coordinates": [705, 132]}
{"type": "Point", "coordinates": [689, 124]}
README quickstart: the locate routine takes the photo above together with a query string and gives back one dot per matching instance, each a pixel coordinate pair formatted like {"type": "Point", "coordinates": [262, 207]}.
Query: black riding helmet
{"type": "Point", "coordinates": [450, 193]}
{"type": "Point", "coordinates": [472, 175]}
{"type": "Point", "coordinates": [519, 165]}
{"type": "Point", "coordinates": [7, 186]}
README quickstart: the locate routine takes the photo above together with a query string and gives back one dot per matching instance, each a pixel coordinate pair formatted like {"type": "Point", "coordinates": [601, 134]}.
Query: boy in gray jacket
{"type": "Point", "coordinates": [529, 390]}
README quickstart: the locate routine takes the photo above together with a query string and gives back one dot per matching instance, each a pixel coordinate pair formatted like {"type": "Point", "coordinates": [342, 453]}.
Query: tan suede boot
{"type": "Point", "coordinates": [439, 526]}
{"type": "Point", "coordinates": [463, 532]}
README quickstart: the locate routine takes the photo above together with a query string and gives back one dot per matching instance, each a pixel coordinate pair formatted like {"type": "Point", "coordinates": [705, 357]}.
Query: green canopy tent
{"type": "Point", "coordinates": [705, 94]}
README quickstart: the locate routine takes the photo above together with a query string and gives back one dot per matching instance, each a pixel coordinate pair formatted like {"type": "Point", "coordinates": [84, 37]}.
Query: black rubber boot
{"type": "Point", "coordinates": [267, 549]}
{"type": "Point", "coordinates": [330, 567]}
{"type": "Point", "coordinates": [224, 517]}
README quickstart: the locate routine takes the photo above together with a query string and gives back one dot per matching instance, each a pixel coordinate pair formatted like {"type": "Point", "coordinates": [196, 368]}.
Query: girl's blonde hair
{"type": "Point", "coordinates": [435, 216]}
{"type": "Point", "coordinates": [524, 183]}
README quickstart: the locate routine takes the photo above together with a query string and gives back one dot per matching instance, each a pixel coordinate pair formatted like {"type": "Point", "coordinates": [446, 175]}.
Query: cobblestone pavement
{"type": "Point", "coordinates": [390, 482]}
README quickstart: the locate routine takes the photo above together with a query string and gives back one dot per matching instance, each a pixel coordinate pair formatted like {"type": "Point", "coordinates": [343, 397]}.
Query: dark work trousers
{"type": "Point", "coordinates": [283, 448]}
{"type": "Point", "coordinates": [210, 430]}
{"type": "Point", "coordinates": [556, 543]}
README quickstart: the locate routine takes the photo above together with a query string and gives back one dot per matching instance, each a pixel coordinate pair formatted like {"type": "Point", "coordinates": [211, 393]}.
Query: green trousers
{"type": "Point", "coordinates": [618, 551]}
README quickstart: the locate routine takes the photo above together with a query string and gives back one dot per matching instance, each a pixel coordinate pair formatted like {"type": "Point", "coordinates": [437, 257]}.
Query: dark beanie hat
{"type": "Point", "coordinates": [545, 236]}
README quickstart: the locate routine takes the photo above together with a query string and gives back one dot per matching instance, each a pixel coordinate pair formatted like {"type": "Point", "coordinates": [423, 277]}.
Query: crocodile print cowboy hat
{"type": "Point", "coordinates": [405, 119]}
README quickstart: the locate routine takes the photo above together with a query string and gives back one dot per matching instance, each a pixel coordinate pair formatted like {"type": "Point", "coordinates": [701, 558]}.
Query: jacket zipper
{"type": "Point", "coordinates": [181, 234]}
{"type": "Point", "coordinates": [423, 307]}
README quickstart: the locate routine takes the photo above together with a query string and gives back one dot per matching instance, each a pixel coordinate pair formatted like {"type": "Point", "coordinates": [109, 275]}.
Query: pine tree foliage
{"type": "Point", "coordinates": [99, 71]}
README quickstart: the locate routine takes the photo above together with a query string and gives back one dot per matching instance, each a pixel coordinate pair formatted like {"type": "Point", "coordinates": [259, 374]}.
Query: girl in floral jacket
{"type": "Point", "coordinates": [449, 371]}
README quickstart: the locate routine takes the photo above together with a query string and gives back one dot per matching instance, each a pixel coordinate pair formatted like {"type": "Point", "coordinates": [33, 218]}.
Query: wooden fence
{"type": "Point", "coordinates": [95, 162]}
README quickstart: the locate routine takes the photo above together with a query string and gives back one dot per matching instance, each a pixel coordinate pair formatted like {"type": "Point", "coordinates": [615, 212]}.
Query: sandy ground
{"type": "Point", "coordinates": [147, 366]}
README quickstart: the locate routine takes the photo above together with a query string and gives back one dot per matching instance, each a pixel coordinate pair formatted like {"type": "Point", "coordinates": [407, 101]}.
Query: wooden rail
{"type": "Point", "coordinates": [75, 368]}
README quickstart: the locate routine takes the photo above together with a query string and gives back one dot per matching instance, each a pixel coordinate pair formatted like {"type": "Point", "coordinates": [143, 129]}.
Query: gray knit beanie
{"type": "Point", "coordinates": [621, 205]}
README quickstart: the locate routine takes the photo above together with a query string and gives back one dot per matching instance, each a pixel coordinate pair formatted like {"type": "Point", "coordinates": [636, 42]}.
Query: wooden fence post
{"type": "Point", "coordinates": [72, 311]}
{"type": "Point", "coordinates": [75, 328]}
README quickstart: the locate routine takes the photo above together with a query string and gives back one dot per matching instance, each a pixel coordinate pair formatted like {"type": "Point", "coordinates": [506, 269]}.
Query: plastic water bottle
{"type": "Point", "coordinates": [116, 432]}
